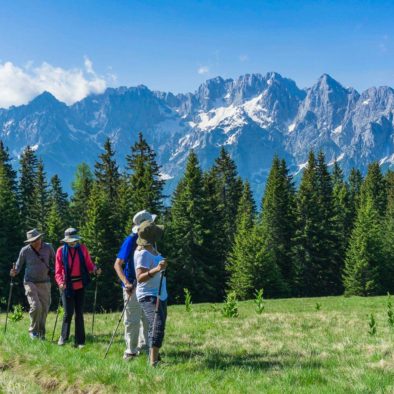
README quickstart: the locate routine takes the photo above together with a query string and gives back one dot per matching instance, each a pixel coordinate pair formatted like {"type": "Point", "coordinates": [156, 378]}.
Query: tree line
{"type": "Point", "coordinates": [329, 236]}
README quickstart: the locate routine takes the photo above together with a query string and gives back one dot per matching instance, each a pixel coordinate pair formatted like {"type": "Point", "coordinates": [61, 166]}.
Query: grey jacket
{"type": "Point", "coordinates": [38, 266]}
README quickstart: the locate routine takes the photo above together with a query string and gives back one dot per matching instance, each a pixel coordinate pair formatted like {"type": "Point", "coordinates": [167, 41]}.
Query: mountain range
{"type": "Point", "coordinates": [254, 117]}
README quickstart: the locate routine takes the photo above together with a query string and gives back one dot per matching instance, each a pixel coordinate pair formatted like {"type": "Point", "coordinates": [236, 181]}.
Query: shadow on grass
{"type": "Point", "coordinates": [251, 361]}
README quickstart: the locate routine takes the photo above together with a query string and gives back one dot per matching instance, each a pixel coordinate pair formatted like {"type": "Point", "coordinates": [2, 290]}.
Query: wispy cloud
{"type": "Point", "coordinates": [383, 44]}
{"type": "Point", "coordinates": [203, 70]}
{"type": "Point", "coordinates": [18, 85]}
{"type": "Point", "coordinates": [243, 58]}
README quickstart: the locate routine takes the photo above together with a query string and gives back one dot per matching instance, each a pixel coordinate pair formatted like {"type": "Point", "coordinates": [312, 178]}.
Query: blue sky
{"type": "Point", "coordinates": [176, 45]}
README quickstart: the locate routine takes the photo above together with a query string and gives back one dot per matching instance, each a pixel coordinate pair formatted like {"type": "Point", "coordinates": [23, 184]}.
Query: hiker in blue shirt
{"type": "Point", "coordinates": [136, 324]}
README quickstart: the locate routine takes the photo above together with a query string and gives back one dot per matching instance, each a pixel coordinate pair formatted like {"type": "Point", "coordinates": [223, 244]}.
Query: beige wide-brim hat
{"type": "Point", "coordinates": [33, 235]}
{"type": "Point", "coordinates": [149, 233]}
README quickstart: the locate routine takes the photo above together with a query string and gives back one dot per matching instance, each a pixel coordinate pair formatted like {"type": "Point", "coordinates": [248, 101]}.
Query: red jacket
{"type": "Point", "coordinates": [76, 267]}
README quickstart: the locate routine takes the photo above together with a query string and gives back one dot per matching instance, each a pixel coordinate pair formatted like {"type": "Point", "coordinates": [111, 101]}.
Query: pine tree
{"type": "Point", "coordinates": [242, 258]}
{"type": "Point", "coordinates": [27, 182]}
{"type": "Point", "coordinates": [364, 259]}
{"type": "Point", "coordinates": [81, 186]}
{"type": "Point", "coordinates": [189, 258]}
{"type": "Point", "coordinates": [10, 231]}
{"type": "Point", "coordinates": [59, 216]}
{"type": "Point", "coordinates": [374, 188]}
{"type": "Point", "coordinates": [146, 184]}
{"type": "Point", "coordinates": [278, 221]}
{"type": "Point", "coordinates": [40, 205]}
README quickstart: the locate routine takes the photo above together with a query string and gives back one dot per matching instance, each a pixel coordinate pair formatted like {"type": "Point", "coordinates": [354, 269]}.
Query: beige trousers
{"type": "Point", "coordinates": [135, 325]}
{"type": "Point", "coordinates": [39, 298]}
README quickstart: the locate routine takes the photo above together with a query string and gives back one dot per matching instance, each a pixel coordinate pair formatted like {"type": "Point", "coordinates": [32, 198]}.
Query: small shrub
{"type": "Point", "coordinates": [372, 325]}
{"type": "Point", "coordinates": [318, 306]}
{"type": "Point", "coordinates": [390, 312]}
{"type": "Point", "coordinates": [259, 301]}
{"type": "Point", "coordinates": [230, 308]}
{"type": "Point", "coordinates": [17, 314]}
{"type": "Point", "coordinates": [188, 300]}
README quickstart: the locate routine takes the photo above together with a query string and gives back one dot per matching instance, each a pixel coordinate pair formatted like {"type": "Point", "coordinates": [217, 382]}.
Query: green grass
{"type": "Point", "coordinates": [289, 348]}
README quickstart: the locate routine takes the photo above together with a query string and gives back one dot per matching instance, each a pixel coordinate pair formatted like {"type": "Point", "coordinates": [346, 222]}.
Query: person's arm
{"type": "Point", "coordinates": [119, 271]}
{"type": "Point", "coordinates": [144, 274]}
{"type": "Point", "coordinates": [88, 260]}
{"type": "Point", "coordinates": [59, 270]}
{"type": "Point", "coordinates": [19, 264]}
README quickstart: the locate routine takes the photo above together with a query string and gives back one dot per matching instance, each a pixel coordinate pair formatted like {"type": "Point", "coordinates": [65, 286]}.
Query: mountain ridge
{"type": "Point", "coordinates": [254, 116]}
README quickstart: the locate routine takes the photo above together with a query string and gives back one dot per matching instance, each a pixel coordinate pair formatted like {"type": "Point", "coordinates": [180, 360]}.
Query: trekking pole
{"type": "Point", "coordinates": [94, 303]}
{"type": "Point", "coordinates": [9, 299]}
{"type": "Point", "coordinates": [162, 274]}
{"type": "Point", "coordinates": [57, 314]}
{"type": "Point", "coordinates": [117, 326]}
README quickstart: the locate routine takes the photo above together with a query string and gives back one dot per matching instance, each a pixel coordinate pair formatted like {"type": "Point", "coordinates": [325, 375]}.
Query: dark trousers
{"type": "Point", "coordinates": [71, 304]}
{"type": "Point", "coordinates": [156, 328]}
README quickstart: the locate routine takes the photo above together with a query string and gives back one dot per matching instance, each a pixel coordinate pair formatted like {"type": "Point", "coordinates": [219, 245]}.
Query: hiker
{"type": "Point", "coordinates": [135, 323]}
{"type": "Point", "coordinates": [148, 265]}
{"type": "Point", "coordinates": [72, 269]}
{"type": "Point", "coordinates": [38, 257]}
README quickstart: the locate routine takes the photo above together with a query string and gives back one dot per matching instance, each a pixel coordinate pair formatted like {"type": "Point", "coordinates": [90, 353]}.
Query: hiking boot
{"type": "Point", "coordinates": [129, 356]}
{"type": "Point", "coordinates": [80, 346]}
{"type": "Point", "coordinates": [34, 336]}
{"type": "Point", "coordinates": [61, 341]}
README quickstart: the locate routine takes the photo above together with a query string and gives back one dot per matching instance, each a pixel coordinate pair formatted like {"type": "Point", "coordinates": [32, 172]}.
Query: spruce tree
{"type": "Point", "coordinates": [242, 258]}
{"type": "Point", "coordinates": [107, 173]}
{"type": "Point", "coordinates": [355, 183]}
{"type": "Point", "coordinates": [40, 205]}
{"type": "Point", "coordinates": [146, 184]}
{"type": "Point", "coordinates": [189, 265]}
{"type": "Point", "coordinates": [364, 258]}
{"type": "Point", "coordinates": [98, 238]}
{"type": "Point", "coordinates": [374, 188]}
{"type": "Point", "coordinates": [10, 229]}
{"type": "Point", "coordinates": [59, 216]}
{"type": "Point", "coordinates": [81, 186]}
{"type": "Point", "coordinates": [278, 220]}
{"type": "Point", "coordinates": [27, 181]}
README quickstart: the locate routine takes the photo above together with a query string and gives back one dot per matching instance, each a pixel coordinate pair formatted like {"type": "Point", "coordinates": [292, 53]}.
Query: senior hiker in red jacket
{"type": "Point", "coordinates": [72, 269]}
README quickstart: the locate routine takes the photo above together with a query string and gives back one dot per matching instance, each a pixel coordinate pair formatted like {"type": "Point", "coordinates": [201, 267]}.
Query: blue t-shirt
{"type": "Point", "coordinates": [126, 253]}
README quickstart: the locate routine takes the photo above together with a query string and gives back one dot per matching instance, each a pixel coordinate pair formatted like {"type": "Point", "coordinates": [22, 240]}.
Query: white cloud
{"type": "Point", "coordinates": [19, 85]}
{"type": "Point", "coordinates": [203, 70]}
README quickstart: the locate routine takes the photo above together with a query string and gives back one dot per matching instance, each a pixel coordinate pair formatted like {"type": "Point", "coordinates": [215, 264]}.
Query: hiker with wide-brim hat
{"type": "Point", "coordinates": [37, 257]}
{"type": "Point", "coordinates": [135, 322]}
{"type": "Point", "coordinates": [151, 285]}
{"type": "Point", "coordinates": [72, 269]}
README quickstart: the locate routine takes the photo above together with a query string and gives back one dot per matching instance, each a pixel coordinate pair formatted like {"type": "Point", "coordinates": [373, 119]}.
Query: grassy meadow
{"type": "Point", "coordinates": [292, 347]}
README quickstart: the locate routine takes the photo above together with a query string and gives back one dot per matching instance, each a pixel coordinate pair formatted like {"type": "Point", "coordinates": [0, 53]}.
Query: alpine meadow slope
{"type": "Point", "coordinates": [254, 116]}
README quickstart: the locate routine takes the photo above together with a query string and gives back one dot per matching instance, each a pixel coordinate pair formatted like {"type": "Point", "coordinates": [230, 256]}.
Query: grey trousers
{"type": "Point", "coordinates": [39, 298]}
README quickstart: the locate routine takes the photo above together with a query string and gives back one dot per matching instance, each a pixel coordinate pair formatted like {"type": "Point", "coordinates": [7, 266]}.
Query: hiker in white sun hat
{"type": "Point", "coordinates": [140, 217]}
{"type": "Point", "coordinates": [135, 322]}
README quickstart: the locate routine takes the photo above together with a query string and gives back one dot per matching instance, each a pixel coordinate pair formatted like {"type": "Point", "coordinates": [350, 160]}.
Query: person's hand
{"type": "Point", "coordinates": [13, 272]}
{"type": "Point", "coordinates": [62, 286]}
{"type": "Point", "coordinates": [162, 265]}
{"type": "Point", "coordinates": [128, 286]}
{"type": "Point", "coordinates": [98, 271]}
